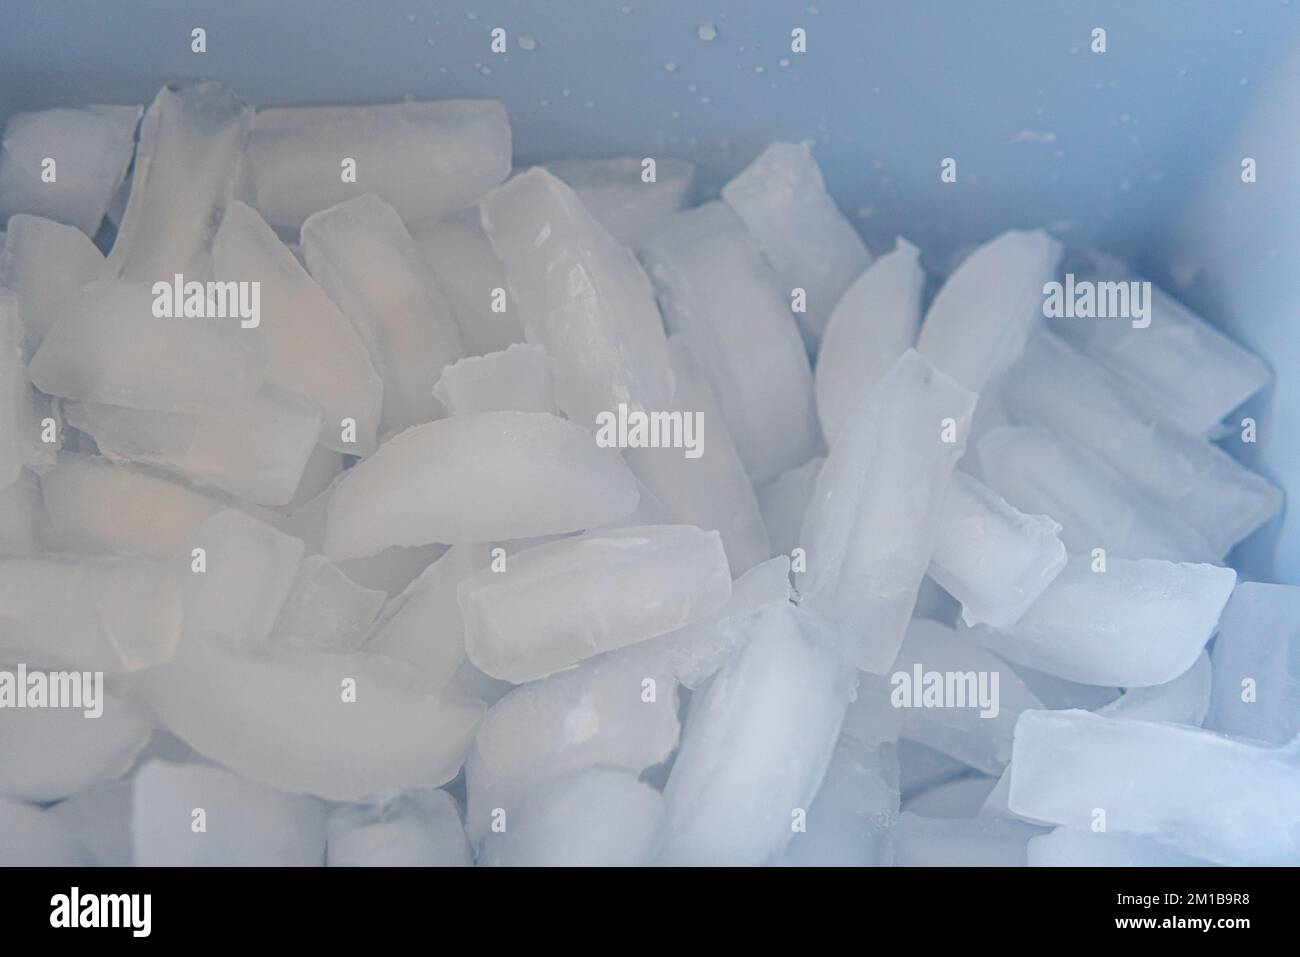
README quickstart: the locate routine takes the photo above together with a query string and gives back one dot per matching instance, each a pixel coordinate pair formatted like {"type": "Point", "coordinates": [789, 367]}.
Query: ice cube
{"type": "Point", "coordinates": [617, 194]}
{"type": "Point", "coordinates": [960, 842]}
{"type": "Point", "coordinates": [31, 837]}
{"type": "Point", "coordinates": [19, 430]}
{"type": "Point", "coordinates": [1064, 847]}
{"type": "Point", "coordinates": [326, 609]}
{"type": "Point", "coordinates": [519, 379]}
{"type": "Point", "coordinates": [1255, 664]}
{"type": "Point", "coordinates": [1185, 700]}
{"type": "Point", "coordinates": [415, 829]}
{"type": "Point", "coordinates": [47, 264]}
{"type": "Point", "coordinates": [784, 503]}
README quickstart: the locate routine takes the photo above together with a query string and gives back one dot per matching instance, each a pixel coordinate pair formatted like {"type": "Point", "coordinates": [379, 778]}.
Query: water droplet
{"type": "Point", "coordinates": [783, 61]}
{"type": "Point", "coordinates": [566, 93]}
{"type": "Point", "coordinates": [706, 32]}
{"type": "Point", "coordinates": [813, 10]}
{"type": "Point", "coordinates": [758, 69]}
{"type": "Point", "coordinates": [527, 43]}
{"type": "Point", "coordinates": [471, 15]}
{"type": "Point", "coordinates": [670, 67]}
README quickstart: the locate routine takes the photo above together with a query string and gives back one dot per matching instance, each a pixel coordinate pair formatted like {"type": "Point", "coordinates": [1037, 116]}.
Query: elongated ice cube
{"type": "Point", "coordinates": [580, 295]}
{"type": "Point", "coordinates": [556, 604]}
{"type": "Point", "coordinates": [478, 478]}
{"type": "Point", "coordinates": [618, 195]}
{"type": "Point", "coordinates": [1184, 473]}
{"type": "Point", "coordinates": [874, 519]}
{"type": "Point", "coordinates": [46, 264]}
{"type": "Point", "coordinates": [959, 798]}
{"type": "Point", "coordinates": [246, 824]}
{"type": "Point", "coordinates": [784, 503]}
{"type": "Point", "coordinates": [426, 159]}
{"type": "Point", "coordinates": [1185, 700]}
{"type": "Point", "coordinates": [191, 150]}
{"type": "Point", "coordinates": [1065, 847]}
{"type": "Point", "coordinates": [472, 277]}
{"type": "Point", "coordinates": [19, 430]}
{"type": "Point", "coordinates": [366, 261]}
{"type": "Point", "coordinates": [1191, 791]}
{"type": "Point", "coordinates": [415, 829]}
{"type": "Point", "coordinates": [758, 743]}
{"type": "Point", "coordinates": [90, 147]}
{"type": "Point", "coordinates": [873, 323]}
{"type": "Point", "coordinates": [1036, 472]}
{"type": "Point", "coordinates": [1183, 368]}
{"type": "Point", "coordinates": [783, 201]}
{"type": "Point", "coordinates": [311, 347]}
{"type": "Point", "coordinates": [992, 557]}
{"type": "Point", "coordinates": [1138, 623]}
{"type": "Point", "coordinates": [1256, 677]}
{"type": "Point", "coordinates": [601, 714]}
{"type": "Point", "coordinates": [519, 379]}
{"type": "Point", "coordinates": [109, 347]}
{"type": "Point", "coordinates": [596, 818]}
{"type": "Point", "coordinates": [32, 837]}
{"type": "Point", "coordinates": [110, 615]}
{"type": "Point", "coordinates": [100, 820]}
{"type": "Point", "coordinates": [960, 842]}
{"type": "Point", "coordinates": [721, 297]}
{"type": "Point", "coordinates": [978, 322]}
{"type": "Point", "coordinates": [342, 726]}
{"type": "Point", "coordinates": [325, 609]}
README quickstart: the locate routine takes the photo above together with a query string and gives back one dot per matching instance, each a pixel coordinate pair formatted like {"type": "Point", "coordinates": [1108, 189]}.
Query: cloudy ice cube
{"type": "Point", "coordinates": [1192, 791]}
{"type": "Point", "coordinates": [366, 261]}
{"type": "Point", "coordinates": [978, 322]}
{"type": "Point", "coordinates": [245, 824]}
{"type": "Point", "coordinates": [19, 429]}
{"type": "Point", "coordinates": [100, 819]}
{"type": "Point", "coordinates": [719, 295]}
{"type": "Point", "coordinates": [960, 842]}
{"type": "Point", "coordinates": [990, 556]}
{"type": "Point", "coordinates": [326, 609]}
{"type": "Point", "coordinates": [873, 323]}
{"type": "Point", "coordinates": [415, 829]}
{"type": "Point", "coordinates": [31, 837]}
{"type": "Point", "coordinates": [478, 478]}
{"type": "Point", "coordinates": [783, 201]}
{"type": "Point", "coordinates": [596, 818]}
{"type": "Point", "coordinates": [616, 193]}
{"type": "Point", "coordinates": [580, 295]}
{"type": "Point", "coordinates": [311, 347]}
{"type": "Point", "coordinates": [1065, 847]}
{"type": "Point", "coordinates": [758, 743]}
{"type": "Point", "coordinates": [1185, 700]}
{"type": "Point", "coordinates": [784, 502]}
{"type": "Point", "coordinates": [46, 264]}
{"type": "Point", "coordinates": [959, 798]}
{"type": "Point", "coordinates": [556, 604]}
{"type": "Point", "coordinates": [518, 379]}
{"type": "Point", "coordinates": [91, 147]}
{"type": "Point", "coordinates": [340, 725]}
{"type": "Point", "coordinates": [191, 148]}
{"type": "Point", "coordinates": [1255, 664]}
{"type": "Point", "coordinates": [1136, 624]}
{"type": "Point", "coordinates": [871, 527]}
{"type": "Point", "coordinates": [426, 159]}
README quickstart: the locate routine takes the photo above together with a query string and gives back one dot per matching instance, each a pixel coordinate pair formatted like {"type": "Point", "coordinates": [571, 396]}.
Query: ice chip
{"type": "Point", "coordinates": [518, 379]}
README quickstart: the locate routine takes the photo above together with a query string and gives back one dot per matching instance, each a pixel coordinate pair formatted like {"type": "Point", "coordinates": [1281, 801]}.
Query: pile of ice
{"type": "Point", "coordinates": [418, 511]}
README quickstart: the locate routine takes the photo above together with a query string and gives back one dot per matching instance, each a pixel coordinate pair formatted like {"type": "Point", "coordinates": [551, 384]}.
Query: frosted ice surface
{"type": "Point", "coordinates": [519, 379]}
{"type": "Point", "coordinates": [616, 193]}
{"type": "Point", "coordinates": [19, 429]}
{"type": "Point", "coordinates": [415, 829]}
{"type": "Point", "coordinates": [91, 146]}
{"type": "Point", "coordinates": [326, 609]}
{"type": "Point", "coordinates": [784, 502]}
{"type": "Point", "coordinates": [874, 323]}
{"type": "Point", "coordinates": [1257, 664]}
{"type": "Point", "coordinates": [1185, 700]}
{"type": "Point", "coordinates": [32, 837]}
{"type": "Point", "coordinates": [46, 264]}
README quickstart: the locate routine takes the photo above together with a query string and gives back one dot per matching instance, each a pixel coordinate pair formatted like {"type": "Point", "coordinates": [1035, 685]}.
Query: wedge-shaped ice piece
{"type": "Point", "coordinates": [1185, 700]}
{"type": "Point", "coordinates": [519, 379]}
{"type": "Point", "coordinates": [783, 200]}
{"type": "Point", "coordinates": [992, 557]}
{"type": "Point", "coordinates": [1257, 664]}
{"type": "Point", "coordinates": [106, 615]}
{"type": "Point", "coordinates": [857, 804]}
{"type": "Point", "coordinates": [312, 348]}
{"type": "Point", "coordinates": [148, 515]}
{"type": "Point", "coordinates": [874, 323]}
{"type": "Point", "coordinates": [21, 513]}
{"type": "Point", "coordinates": [557, 604]}
{"type": "Point", "coordinates": [19, 430]}
{"type": "Point", "coordinates": [472, 277]}
{"type": "Point", "coordinates": [1064, 847]}
{"type": "Point", "coordinates": [478, 478]}
{"type": "Point", "coordinates": [326, 609]}
{"type": "Point", "coordinates": [338, 725]}
{"type": "Point", "coordinates": [1192, 791]}
{"type": "Point", "coordinates": [758, 743]}
{"type": "Point", "coordinates": [875, 515]}
{"type": "Point", "coordinates": [956, 697]}
{"type": "Point", "coordinates": [31, 837]}
{"type": "Point", "coordinates": [246, 824]}
{"type": "Point", "coordinates": [109, 347]}
{"type": "Point", "coordinates": [191, 149]}
{"type": "Point", "coordinates": [708, 487]}
{"type": "Point", "coordinates": [1136, 624]}
{"type": "Point", "coordinates": [1036, 472]}
{"type": "Point", "coordinates": [426, 159]}
{"type": "Point", "coordinates": [366, 261]}
{"type": "Point", "coordinates": [580, 295]}
{"type": "Point", "coordinates": [91, 147]}
{"type": "Point", "coordinates": [255, 450]}
{"type": "Point", "coordinates": [415, 829]}
{"type": "Point", "coordinates": [100, 819]}
{"type": "Point", "coordinates": [1184, 473]}
{"type": "Point", "coordinates": [721, 297]}
{"type": "Point", "coordinates": [1182, 367]}
{"type": "Point", "coordinates": [959, 798]}
{"type": "Point", "coordinates": [978, 322]}
{"type": "Point", "coordinates": [784, 502]}
{"type": "Point", "coordinates": [46, 264]}
{"type": "Point", "coordinates": [617, 194]}
{"type": "Point", "coordinates": [960, 842]}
